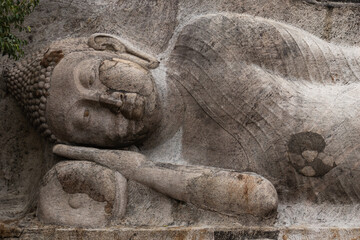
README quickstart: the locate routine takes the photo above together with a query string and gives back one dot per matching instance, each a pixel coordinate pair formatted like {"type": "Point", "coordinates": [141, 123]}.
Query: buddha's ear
{"type": "Point", "coordinates": [107, 42]}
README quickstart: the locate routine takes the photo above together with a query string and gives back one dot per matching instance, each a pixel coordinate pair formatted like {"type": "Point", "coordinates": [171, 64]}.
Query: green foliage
{"type": "Point", "coordinates": [12, 14]}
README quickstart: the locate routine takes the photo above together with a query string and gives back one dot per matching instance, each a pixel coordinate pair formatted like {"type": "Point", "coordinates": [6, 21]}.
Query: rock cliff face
{"type": "Point", "coordinates": [156, 27]}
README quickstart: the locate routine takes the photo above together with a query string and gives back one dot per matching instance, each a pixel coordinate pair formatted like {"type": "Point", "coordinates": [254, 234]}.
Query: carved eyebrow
{"type": "Point", "coordinates": [87, 77]}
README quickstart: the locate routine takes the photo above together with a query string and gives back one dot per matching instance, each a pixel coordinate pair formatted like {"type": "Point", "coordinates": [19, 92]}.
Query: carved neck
{"type": "Point", "coordinates": [171, 107]}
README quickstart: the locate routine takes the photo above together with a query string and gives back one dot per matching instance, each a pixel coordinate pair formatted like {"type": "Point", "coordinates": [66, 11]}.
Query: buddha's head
{"type": "Point", "coordinates": [101, 94]}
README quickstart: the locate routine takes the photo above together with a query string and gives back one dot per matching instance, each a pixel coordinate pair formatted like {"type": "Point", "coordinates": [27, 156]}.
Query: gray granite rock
{"type": "Point", "coordinates": [268, 87]}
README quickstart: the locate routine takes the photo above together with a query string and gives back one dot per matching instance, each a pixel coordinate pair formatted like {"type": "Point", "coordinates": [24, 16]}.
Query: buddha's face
{"type": "Point", "coordinates": [99, 100]}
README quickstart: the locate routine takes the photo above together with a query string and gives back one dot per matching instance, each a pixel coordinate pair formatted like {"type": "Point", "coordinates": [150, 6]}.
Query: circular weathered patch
{"type": "Point", "coordinates": [306, 154]}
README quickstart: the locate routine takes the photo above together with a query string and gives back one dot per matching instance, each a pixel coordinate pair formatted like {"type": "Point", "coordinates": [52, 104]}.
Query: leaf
{"type": "Point", "coordinates": [12, 15]}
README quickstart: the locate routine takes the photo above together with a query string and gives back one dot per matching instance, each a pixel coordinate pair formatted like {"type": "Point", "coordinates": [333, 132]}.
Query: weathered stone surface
{"type": "Point", "coordinates": [268, 86]}
{"type": "Point", "coordinates": [82, 194]}
{"type": "Point", "coordinates": [220, 190]}
{"type": "Point", "coordinates": [336, 3]}
{"type": "Point", "coordinates": [185, 233]}
{"type": "Point", "coordinates": [298, 119]}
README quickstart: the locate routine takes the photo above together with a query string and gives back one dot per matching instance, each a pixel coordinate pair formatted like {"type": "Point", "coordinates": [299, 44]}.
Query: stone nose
{"type": "Point", "coordinates": [114, 99]}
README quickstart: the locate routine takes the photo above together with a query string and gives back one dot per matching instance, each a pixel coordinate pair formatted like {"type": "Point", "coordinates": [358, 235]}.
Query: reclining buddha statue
{"type": "Point", "coordinates": [240, 113]}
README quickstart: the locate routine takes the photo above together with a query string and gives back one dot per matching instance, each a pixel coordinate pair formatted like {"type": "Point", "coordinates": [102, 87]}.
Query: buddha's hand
{"type": "Point", "coordinates": [221, 190]}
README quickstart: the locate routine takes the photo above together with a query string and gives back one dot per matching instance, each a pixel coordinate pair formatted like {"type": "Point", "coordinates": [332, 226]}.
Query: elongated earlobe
{"type": "Point", "coordinates": [108, 42]}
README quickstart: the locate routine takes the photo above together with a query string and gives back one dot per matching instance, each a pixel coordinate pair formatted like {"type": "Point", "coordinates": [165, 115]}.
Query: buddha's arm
{"type": "Point", "coordinates": [220, 190]}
